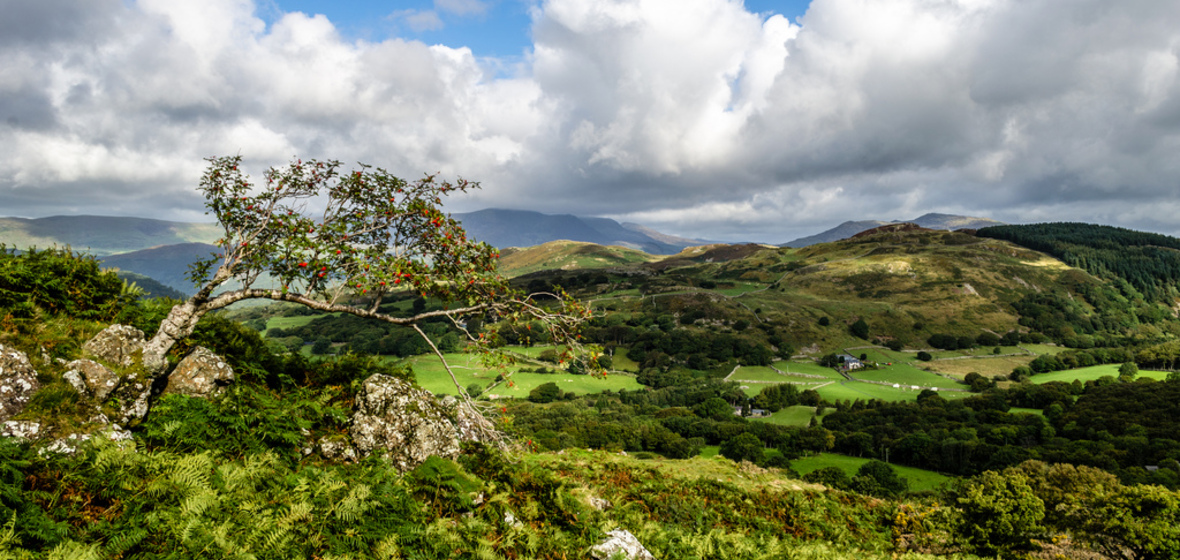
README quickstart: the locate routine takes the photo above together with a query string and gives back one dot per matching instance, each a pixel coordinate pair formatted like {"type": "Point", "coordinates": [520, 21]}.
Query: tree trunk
{"type": "Point", "coordinates": [179, 324]}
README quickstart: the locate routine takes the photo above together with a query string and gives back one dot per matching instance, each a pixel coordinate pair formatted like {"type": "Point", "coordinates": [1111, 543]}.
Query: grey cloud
{"type": "Point", "coordinates": [693, 116]}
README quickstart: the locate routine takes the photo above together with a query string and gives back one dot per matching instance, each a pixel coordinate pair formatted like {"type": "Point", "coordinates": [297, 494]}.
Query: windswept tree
{"type": "Point", "coordinates": [341, 241]}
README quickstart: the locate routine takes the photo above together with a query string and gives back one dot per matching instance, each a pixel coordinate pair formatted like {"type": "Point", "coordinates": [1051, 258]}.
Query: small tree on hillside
{"type": "Point", "coordinates": [344, 242]}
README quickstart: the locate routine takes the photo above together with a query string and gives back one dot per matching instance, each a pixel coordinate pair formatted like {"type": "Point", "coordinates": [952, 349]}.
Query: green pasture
{"type": "Point", "coordinates": [432, 376]}
{"type": "Point", "coordinates": [1017, 410]}
{"type": "Point", "coordinates": [1092, 373]}
{"type": "Point", "coordinates": [798, 415]}
{"type": "Point", "coordinates": [905, 374]}
{"type": "Point", "coordinates": [753, 389]}
{"type": "Point", "coordinates": [854, 390]}
{"type": "Point", "coordinates": [621, 362]}
{"type": "Point", "coordinates": [919, 479]}
{"type": "Point", "coordinates": [759, 373]}
{"type": "Point", "coordinates": [290, 322]}
{"type": "Point", "coordinates": [1039, 349]}
{"type": "Point", "coordinates": [809, 368]}
{"type": "Point", "coordinates": [740, 288]}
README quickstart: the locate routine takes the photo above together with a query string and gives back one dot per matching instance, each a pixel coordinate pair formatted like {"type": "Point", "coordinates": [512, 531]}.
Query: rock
{"type": "Point", "coordinates": [472, 426]}
{"type": "Point", "coordinates": [132, 398]}
{"type": "Point", "coordinates": [91, 378]}
{"type": "Point", "coordinates": [23, 430]}
{"type": "Point", "coordinates": [116, 344]}
{"type": "Point", "coordinates": [401, 423]}
{"type": "Point", "coordinates": [18, 382]}
{"type": "Point", "coordinates": [336, 447]}
{"type": "Point", "coordinates": [200, 374]}
{"type": "Point", "coordinates": [621, 544]}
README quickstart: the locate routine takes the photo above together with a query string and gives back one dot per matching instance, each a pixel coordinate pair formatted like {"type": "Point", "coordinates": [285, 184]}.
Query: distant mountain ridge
{"type": "Point", "coordinates": [102, 235]}
{"type": "Point", "coordinates": [928, 221]}
{"type": "Point", "coordinates": [523, 228]}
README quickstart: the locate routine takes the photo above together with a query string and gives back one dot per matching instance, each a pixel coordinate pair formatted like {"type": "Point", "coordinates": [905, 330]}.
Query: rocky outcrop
{"type": "Point", "coordinates": [200, 374]}
{"type": "Point", "coordinates": [401, 423]}
{"type": "Point", "coordinates": [116, 345]}
{"type": "Point", "coordinates": [18, 382]}
{"type": "Point", "coordinates": [91, 378]}
{"type": "Point", "coordinates": [620, 544]}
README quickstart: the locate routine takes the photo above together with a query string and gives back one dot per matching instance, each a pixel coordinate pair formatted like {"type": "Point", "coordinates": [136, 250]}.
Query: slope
{"type": "Point", "coordinates": [102, 235]}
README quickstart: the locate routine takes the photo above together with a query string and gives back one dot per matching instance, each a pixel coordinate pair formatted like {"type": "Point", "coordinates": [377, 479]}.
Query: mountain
{"type": "Point", "coordinates": [167, 264]}
{"type": "Point", "coordinates": [928, 221]}
{"type": "Point", "coordinates": [102, 235]}
{"type": "Point", "coordinates": [521, 228]}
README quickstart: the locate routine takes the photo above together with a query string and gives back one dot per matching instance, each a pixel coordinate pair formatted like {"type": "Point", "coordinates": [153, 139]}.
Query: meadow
{"type": "Point", "coordinates": [432, 376]}
{"type": "Point", "coordinates": [920, 480]}
{"type": "Point", "coordinates": [1092, 373]}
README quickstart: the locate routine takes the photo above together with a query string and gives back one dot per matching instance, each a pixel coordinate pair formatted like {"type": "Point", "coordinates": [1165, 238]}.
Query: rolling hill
{"type": "Point", "coordinates": [102, 235]}
{"type": "Point", "coordinates": [930, 221]}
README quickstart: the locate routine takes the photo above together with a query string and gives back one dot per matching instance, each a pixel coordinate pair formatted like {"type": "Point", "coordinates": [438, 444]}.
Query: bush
{"type": "Point", "coordinates": [925, 356]}
{"type": "Point", "coordinates": [743, 447]}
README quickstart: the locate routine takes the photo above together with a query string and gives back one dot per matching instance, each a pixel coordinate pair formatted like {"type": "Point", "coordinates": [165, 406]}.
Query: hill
{"type": "Point", "coordinates": [167, 264]}
{"type": "Point", "coordinates": [102, 235]}
{"type": "Point", "coordinates": [521, 228]}
{"type": "Point", "coordinates": [567, 255]}
{"type": "Point", "coordinates": [929, 221]}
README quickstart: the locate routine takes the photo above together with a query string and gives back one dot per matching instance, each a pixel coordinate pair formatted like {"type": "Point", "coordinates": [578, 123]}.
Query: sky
{"type": "Point", "coordinates": [716, 119]}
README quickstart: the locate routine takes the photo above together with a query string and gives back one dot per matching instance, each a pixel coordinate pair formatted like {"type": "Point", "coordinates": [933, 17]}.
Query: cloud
{"type": "Point", "coordinates": [694, 116]}
{"type": "Point", "coordinates": [419, 20]}
{"type": "Point", "coordinates": [461, 7]}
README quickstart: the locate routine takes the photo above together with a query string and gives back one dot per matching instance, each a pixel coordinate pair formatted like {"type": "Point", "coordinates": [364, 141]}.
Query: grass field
{"type": "Point", "coordinates": [987, 367]}
{"type": "Point", "coordinates": [759, 373]}
{"type": "Point", "coordinates": [798, 415]}
{"type": "Point", "coordinates": [919, 479]}
{"type": "Point", "coordinates": [290, 322]}
{"type": "Point", "coordinates": [1091, 373]}
{"type": "Point", "coordinates": [905, 374]}
{"type": "Point", "coordinates": [432, 376]}
{"type": "Point", "coordinates": [853, 390]}
{"type": "Point", "coordinates": [1015, 410]}
{"type": "Point", "coordinates": [1039, 349]}
{"type": "Point", "coordinates": [809, 368]}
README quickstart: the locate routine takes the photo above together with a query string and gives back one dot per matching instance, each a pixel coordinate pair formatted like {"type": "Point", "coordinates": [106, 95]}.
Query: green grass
{"type": "Point", "coordinates": [710, 451]}
{"type": "Point", "coordinates": [621, 362]}
{"type": "Point", "coordinates": [1017, 410]}
{"type": "Point", "coordinates": [809, 368]}
{"type": "Point", "coordinates": [919, 479]}
{"type": "Point", "coordinates": [1092, 373]}
{"type": "Point", "coordinates": [739, 289]}
{"type": "Point", "coordinates": [432, 376]}
{"type": "Point", "coordinates": [290, 322]}
{"type": "Point", "coordinates": [906, 374]}
{"type": "Point", "coordinates": [1039, 349]}
{"type": "Point", "coordinates": [854, 390]}
{"type": "Point", "coordinates": [759, 373]}
{"type": "Point", "coordinates": [798, 415]}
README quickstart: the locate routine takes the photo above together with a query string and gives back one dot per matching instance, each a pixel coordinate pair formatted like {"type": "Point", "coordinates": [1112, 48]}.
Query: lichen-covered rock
{"type": "Point", "coordinates": [336, 448]}
{"type": "Point", "coordinates": [116, 344]}
{"type": "Point", "coordinates": [401, 423]}
{"type": "Point", "coordinates": [91, 378]}
{"type": "Point", "coordinates": [18, 382]}
{"type": "Point", "coordinates": [621, 544]}
{"type": "Point", "coordinates": [131, 399]}
{"type": "Point", "coordinates": [22, 430]}
{"type": "Point", "coordinates": [200, 374]}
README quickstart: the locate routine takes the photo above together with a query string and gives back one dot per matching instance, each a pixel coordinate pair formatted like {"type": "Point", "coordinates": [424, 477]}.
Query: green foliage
{"type": "Point", "coordinates": [1128, 371]}
{"type": "Point", "coordinates": [859, 329]}
{"type": "Point", "coordinates": [879, 479]}
{"type": "Point", "coordinates": [743, 447]}
{"type": "Point", "coordinates": [246, 421]}
{"type": "Point", "coordinates": [999, 514]}
{"type": "Point", "coordinates": [544, 393]}
{"type": "Point", "coordinates": [59, 281]}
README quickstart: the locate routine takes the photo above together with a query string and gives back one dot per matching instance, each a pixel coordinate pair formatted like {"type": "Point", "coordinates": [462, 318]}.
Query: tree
{"type": "Point", "coordinates": [859, 329]}
{"type": "Point", "coordinates": [545, 393]}
{"type": "Point", "coordinates": [344, 242]}
{"type": "Point", "coordinates": [743, 447]}
{"type": "Point", "coordinates": [1128, 371]}
{"type": "Point", "coordinates": [1000, 513]}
